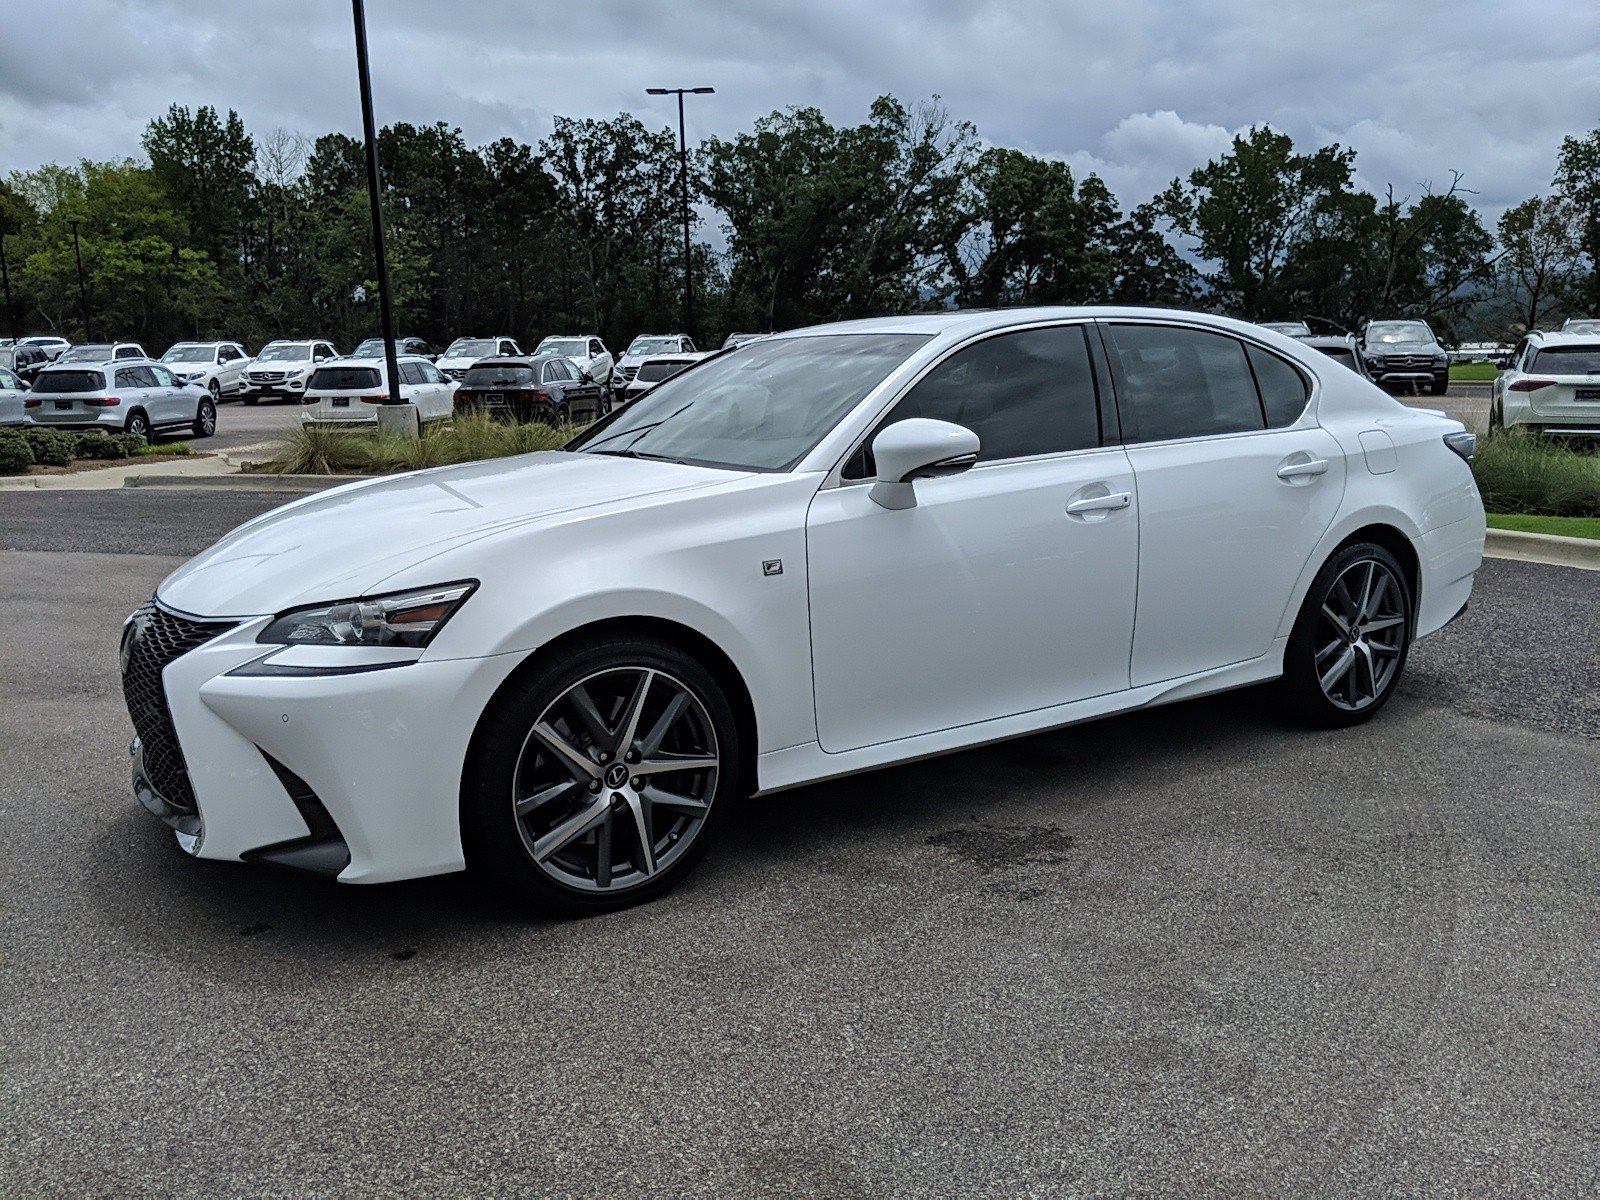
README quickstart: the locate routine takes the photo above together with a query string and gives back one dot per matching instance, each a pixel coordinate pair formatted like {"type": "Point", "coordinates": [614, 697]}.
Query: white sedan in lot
{"type": "Point", "coordinates": [836, 549]}
{"type": "Point", "coordinates": [346, 393]}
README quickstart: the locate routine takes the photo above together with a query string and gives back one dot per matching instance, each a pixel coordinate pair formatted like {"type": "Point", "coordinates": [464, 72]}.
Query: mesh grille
{"type": "Point", "coordinates": [154, 638]}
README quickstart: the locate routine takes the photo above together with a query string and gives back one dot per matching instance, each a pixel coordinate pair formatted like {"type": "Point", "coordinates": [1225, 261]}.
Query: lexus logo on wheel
{"type": "Point", "coordinates": [616, 775]}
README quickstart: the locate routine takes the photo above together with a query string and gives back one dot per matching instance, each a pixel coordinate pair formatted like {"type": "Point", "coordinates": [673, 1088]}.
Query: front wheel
{"type": "Point", "coordinates": [205, 418]}
{"type": "Point", "coordinates": [596, 779]}
{"type": "Point", "coordinates": [1439, 387]}
{"type": "Point", "coordinates": [215, 389]}
{"type": "Point", "coordinates": [246, 398]}
{"type": "Point", "coordinates": [1351, 639]}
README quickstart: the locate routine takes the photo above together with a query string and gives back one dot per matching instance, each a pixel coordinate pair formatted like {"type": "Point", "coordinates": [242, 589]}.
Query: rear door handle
{"type": "Point", "coordinates": [1315, 466]}
{"type": "Point", "coordinates": [1100, 503]}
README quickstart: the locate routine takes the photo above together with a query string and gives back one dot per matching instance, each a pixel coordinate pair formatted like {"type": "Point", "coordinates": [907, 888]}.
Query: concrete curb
{"type": "Point", "coordinates": [1547, 548]}
{"type": "Point", "coordinates": [262, 481]}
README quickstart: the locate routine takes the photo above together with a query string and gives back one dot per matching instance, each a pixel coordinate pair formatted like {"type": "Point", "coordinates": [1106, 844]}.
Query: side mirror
{"type": "Point", "coordinates": [918, 448]}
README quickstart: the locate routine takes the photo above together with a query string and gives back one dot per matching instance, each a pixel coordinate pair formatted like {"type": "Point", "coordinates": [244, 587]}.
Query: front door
{"type": "Point", "coordinates": [1006, 589]}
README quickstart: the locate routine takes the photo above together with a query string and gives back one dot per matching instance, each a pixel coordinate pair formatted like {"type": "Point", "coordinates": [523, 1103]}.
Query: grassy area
{"type": "Point", "coordinates": [466, 439]}
{"type": "Point", "coordinates": [1479, 372]}
{"type": "Point", "coordinates": [1522, 474]}
{"type": "Point", "coordinates": [1578, 527]}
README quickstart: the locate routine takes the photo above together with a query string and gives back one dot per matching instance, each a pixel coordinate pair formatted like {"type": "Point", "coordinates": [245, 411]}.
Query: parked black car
{"type": "Point", "coordinates": [1405, 354]}
{"type": "Point", "coordinates": [547, 388]}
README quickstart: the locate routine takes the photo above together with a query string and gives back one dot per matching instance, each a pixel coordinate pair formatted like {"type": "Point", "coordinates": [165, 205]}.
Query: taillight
{"type": "Point", "coordinates": [309, 399]}
{"type": "Point", "coordinates": [32, 402]}
{"type": "Point", "coordinates": [542, 396]}
{"type": "Point", "coordinates": [1464, 444]}
{"type": "Point", "coordinates": [380, 399]}
{"type": "Point", "coordinates": [101, 401]}
{"type": "Point", "coordinates": [1531, 385]}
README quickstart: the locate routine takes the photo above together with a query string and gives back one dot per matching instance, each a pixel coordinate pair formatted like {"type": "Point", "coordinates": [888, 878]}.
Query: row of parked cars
{"type": "Point", "coordinates": [46, 380]}
{"type": "Point", "coordinates": [1550, 382]}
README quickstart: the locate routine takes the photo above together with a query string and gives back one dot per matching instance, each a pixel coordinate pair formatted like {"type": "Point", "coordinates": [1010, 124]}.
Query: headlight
{"type": "Point", "coordinates": [399, 619]}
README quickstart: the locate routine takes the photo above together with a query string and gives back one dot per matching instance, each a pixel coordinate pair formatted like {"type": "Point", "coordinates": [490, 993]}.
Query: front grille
{"type": "Point", "coordinates": [268, 376]}
{"type": "Point", "coordinates": [1407, 362]}
{"type": "Point", "coordinates": [154, 638]}
{"type": "Point", "coordinates": [628, 373]}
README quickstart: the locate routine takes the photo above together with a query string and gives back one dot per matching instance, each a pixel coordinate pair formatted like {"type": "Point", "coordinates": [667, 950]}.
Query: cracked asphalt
{"type": "Point", "coordinates": [1182, 951]}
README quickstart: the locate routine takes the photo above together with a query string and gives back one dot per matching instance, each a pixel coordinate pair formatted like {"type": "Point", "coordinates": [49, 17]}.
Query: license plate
{"type": "Point", "coordinates": [63, 403]}
{"type": "Point", "coordinates": [1589, 393]}
{"type": "Point", "coordinates": [340, 401]}
{"type": "Point", "coordinates": [494, 398]}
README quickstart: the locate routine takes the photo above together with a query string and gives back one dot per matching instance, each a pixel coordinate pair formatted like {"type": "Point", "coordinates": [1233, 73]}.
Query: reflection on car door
{"type": "Point", "coordinates": [988, 597]}
{"type": "Point", "coordinates": [1235, 491]}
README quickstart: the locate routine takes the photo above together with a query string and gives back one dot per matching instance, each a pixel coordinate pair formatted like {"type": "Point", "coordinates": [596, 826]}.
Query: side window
{"type": "Point", "coordinates": [688, 346]}
{"type": "Point", "coordinates": [1023, 394]}
{"type": "Point", "coordinates": [595, 348]}
{"type": "Point", "coordinates": [429, 373]}
{"type": "Point", "coordinates": [127, 377]}
{"type": "Point", "coordinates": [1284, 391]}
{"type": "Point", "coordinates": [409, 373]}
{"type": "Point", "coordinates": [160, 376]}
{"type": "Point", "coordinates": [1180, 383]}
{"type": "Point", "coordinates": [553, 373]}
{"type": "Point", "coordinates": [128, 352]}
{"type": "Point", "coordinates": [507, 348]}
{"type": "Point", "coordinates": [9, 381]}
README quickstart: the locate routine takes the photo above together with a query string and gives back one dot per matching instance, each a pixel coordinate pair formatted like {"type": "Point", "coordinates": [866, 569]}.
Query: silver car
{"type": "Point", "coordinates": [13, 398]}
{"type": "Point", "coordinates": [135, 396]}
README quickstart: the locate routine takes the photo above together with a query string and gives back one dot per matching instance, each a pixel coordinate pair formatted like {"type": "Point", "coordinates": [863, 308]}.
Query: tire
{"type": "Point", "coordinates": [580, 808]}
{"type": "Point", "coordinates": [205, 418]}
{"type": "Point", "coordinates": [1373, 657]}
{"type": "Point", "coordinates": [1439, 386]}
{"type": "Point", "coordinates": [1497, 417]}
{"type": "Point", "coordinates": [252, 401]}
{"type": "Point", "coordinates": [215, 389]}
{"type": "Point", "coordinates": [139, 425]}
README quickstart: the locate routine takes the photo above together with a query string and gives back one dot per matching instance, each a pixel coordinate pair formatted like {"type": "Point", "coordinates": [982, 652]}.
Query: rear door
{"type": "Point", "coordinates": [1236, 487]}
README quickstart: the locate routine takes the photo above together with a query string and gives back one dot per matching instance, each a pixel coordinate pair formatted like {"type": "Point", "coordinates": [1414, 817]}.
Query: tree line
{"type": "Point", "coordinates": [216, 232]}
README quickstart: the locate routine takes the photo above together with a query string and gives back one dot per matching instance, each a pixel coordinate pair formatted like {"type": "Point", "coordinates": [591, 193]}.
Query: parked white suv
{"type": "Point", "coordinates": [52, 345]}
{"type": "Point", "coordinates": [646, 345]}
{"type": "Point", "coordinates": [1552, 385]}
{"type": "Point", "coordinates": [216, 366]}
{"type": "Point", "coordinates": [280, 370]}
{"type": "Point", "coordinates": [584, 349]}
{"type": "Point", "coordinates": [658, 368]}
{"type": "Point", "coordinates": [459, 356]}
{"type": "Point", "coordinates": [99, 352]}
{"type": "Point", "coordinates": [345, 393]}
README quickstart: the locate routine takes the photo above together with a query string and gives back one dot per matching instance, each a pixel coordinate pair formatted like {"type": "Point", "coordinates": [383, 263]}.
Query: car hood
{"type": "Point", "coordinates": [281, 364]}
{"type": "Point", "coordinates": [1403, 348]}
{"type": "Point", "coordinates": [345, 542]}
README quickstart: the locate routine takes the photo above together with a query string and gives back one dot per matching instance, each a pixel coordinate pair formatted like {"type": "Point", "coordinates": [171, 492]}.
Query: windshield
{"type": "Point", "coordinates": [70, 381]}
{"type": "Point", "coordinates": [652, 345]}
{"type": "Point", "coordinates": [371, 348]}
{"type": "Point", "coordinates": [91, 353]}
{"type": "Point", "coordinates": [501, 375]}
{"type": "Point", "coordinates": [1586, 328]}
{"type": "Point", "coordinates": [1292, 328]}
{"type": "Point", "coordinates": [1567, 360]}
{"type": "Point", "coordinates": [571, 347]}
{"type": "Point", "coordinates": [285, 352]}
{"type": "Point", "coordinates": [655, 372]}
{"type": "Point", "coordinates": [470, 348]}
{"type": "Point", "coordinates": [189, 354]}
{"type": "Point", "coordinates": [1387, 333]}
{"type": "Point", "coordinates": [761, 409]}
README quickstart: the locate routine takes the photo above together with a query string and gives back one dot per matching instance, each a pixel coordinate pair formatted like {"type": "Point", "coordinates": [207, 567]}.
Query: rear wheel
{"type": "Point", "coordinates": [1351, 639]}
{"type": "Point", "coordinates": [205, 418]}
{"type": "Point", "coordinates": [138, 425]}
{"type": "Point", "coordinates": [596, 780]}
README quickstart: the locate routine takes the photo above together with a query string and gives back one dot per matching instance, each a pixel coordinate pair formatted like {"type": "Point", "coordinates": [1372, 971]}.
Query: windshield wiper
{"type": "Point", "coordinates": [636, 454]}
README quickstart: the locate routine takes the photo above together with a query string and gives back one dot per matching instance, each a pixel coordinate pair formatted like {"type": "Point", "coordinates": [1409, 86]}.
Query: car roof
{"type": "Point", "coordinates": [964, 322]}
{"type": "Point", "coordinates": [1546, 337]}
{"type": "Point", "coordinates": [1328, 339]}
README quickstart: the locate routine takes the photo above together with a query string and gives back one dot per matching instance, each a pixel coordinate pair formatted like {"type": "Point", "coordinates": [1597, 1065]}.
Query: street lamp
{"type": "Point", "coordinates": [385, 317]}
{"type": "Point", "coordinates": [683, 179]}
{"type": "Point", "coordinates": [83, 291]}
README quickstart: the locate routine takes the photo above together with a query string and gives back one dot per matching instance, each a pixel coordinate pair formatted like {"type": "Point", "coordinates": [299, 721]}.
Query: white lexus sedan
{"type": "Point", "coordinates": [839, 548]}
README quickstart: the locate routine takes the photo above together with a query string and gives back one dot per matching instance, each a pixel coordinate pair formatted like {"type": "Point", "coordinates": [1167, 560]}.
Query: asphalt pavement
{"type": "Point", "coordinates": [1182, 951]}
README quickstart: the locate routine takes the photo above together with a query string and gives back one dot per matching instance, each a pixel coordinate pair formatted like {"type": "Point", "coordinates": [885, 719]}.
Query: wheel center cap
{"type": "Point", "coordinates": [616, 775]}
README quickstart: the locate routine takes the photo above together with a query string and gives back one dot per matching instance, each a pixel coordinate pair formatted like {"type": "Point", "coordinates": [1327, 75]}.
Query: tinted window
{"type": "Point", "coordinates": [129, 352]}
{"type": "Point", "coordinates": [760, 409]}
{"type": "Point", "coordinates": [1566, 360]}
{"type": "Point", "coordinates": [1340, 354]}
{"type": "Point", "coordinates": [1179, 383]}
{"type": "Point", "coordinates": [70, 381]}
{"type": "Point", "coordinates": [498, 375]}
{"type": "Point", "coordinates": [1283, 389]}
{"type": "Point", "coordinates": [1022, 393]}
{"type": "Point", "coordinates": [596, 348]}
{"type": "Point", "coordinates": [345, 379]}
{"type": "Point", "coordinates": [409, 373]}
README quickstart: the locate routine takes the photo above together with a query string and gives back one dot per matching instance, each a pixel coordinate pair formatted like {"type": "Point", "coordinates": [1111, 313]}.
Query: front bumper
{"type": "Point", "coordinates": [378, 753]}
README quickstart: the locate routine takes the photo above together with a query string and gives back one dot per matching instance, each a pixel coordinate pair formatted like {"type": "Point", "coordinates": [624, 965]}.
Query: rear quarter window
{"type": "Point", "coordinates": [1284, 391]}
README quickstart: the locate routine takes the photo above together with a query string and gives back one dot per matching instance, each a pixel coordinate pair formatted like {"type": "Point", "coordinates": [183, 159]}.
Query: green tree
{"type": "Point", "coordinates": [1541, 257]}
{"type": "Point", "coordinates": [1577, 180]}
{"type": "Point", "coordinates": [205, 164]}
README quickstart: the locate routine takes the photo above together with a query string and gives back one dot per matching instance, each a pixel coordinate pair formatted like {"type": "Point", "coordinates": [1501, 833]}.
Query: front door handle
{"type": "Point", "coordinates": [1295, 470]}
{"type": "Point", "coordinates": [1100, 503]}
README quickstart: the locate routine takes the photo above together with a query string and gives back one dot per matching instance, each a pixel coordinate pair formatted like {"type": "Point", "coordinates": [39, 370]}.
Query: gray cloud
{"type": "Point", "coordinates": [1139, 91]}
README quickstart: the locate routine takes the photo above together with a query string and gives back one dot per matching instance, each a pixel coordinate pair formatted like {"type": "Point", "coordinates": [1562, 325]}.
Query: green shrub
{"type": "Point", "coordinates": [127, 444]}
{"type": "Point", "coordinates": [177, 448]}
{"type": "Point", "coordinates": [96, 443]}
{"type": "Point", "coordinates": [16, 456]}
{"type": "Point", "coordinates": [51, 447]}
{"type": "Point", "coordinates": [1519, 472]}
{"type": "Point", "coordinates": [468, 438]}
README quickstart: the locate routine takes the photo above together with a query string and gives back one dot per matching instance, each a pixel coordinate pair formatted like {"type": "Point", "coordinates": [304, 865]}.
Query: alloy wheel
{"type": "Point", "coordinates": [615, 779]}
{"type": "Point", "coordinates": [1361, 634]}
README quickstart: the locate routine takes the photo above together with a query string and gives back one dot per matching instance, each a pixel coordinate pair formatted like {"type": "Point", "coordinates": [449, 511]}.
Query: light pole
{"type": "Point", "coordinates": [683, 179]}
{"type": "Point", "coordinates": [369, 132]}
{"type": "Point", "coordinates": [83, 291]}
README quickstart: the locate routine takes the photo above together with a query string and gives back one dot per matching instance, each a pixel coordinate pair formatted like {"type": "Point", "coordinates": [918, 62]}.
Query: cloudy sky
{"type": "Point", "coordinates": [1137, 90]}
